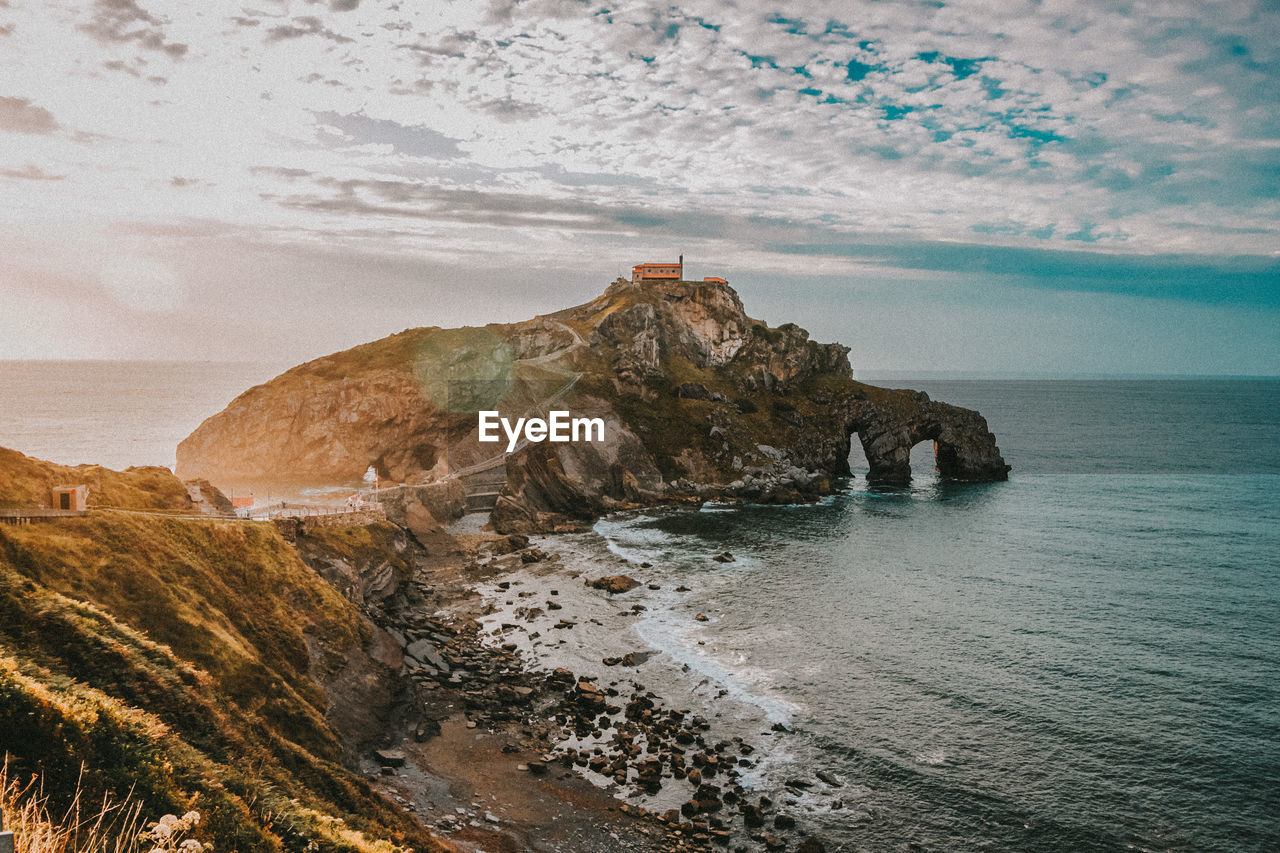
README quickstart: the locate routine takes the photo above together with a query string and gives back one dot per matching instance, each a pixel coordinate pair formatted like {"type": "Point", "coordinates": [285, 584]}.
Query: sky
{"type": "Point", "coordinates": [1001, 186]}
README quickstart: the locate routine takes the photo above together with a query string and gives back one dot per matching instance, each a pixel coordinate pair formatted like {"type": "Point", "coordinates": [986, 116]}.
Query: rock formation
{"type": "Point", "coordinates": [964, 448]}
{"type": "Point", "coordinates": [699, 400]}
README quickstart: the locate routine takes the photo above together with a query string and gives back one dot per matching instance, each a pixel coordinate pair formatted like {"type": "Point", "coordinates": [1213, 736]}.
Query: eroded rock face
{"type": "Point", "coordinates": [367, 569]}
{"type": "Point", "coordinates": [319, 429]}
{"type": "Point", "coordinates": [700, 322]}
{"type": "Point", "coordinates": [784, 357]}
{"type": "Point", "coordinates": [564, 486]}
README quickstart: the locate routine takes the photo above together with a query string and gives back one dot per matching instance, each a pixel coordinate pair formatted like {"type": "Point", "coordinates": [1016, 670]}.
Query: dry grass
{"type": "Point", "coordinates": [169, 663]}
{"type": "Point", "coordinates": [25, 482]}
{"type": "Point", "coordinates": [107, 827]}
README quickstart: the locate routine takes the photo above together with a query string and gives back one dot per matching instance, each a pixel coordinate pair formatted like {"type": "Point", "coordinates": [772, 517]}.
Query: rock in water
{"type": "Point", "coordinates": [829, 778]}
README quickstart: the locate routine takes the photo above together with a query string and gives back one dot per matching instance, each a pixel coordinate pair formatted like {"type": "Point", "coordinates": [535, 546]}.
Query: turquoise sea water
{"type": "Point", "coordinates": [1086, 657]}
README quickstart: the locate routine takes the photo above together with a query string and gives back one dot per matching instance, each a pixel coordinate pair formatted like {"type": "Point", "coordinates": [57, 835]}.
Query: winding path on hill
{"type": "Point", "coordinates": [486, 488]}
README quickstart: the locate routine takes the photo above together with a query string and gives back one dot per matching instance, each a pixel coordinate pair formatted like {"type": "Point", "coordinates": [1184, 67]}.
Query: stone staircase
{"type": "Point", "coordinates": [483, 488]}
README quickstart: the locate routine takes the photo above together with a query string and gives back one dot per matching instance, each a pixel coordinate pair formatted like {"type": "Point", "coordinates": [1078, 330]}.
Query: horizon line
{"type": "Point", "coordinates": [860, 375]}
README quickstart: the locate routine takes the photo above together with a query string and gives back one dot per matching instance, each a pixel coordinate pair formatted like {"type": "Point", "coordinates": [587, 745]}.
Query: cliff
{"type": "Point", "coordinates": [699, 400]}
{"type": "Point", "coordinates": [198, 664]}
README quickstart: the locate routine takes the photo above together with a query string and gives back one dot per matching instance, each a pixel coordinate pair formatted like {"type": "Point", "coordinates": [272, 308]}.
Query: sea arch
{"type": "Point", "coordinates": [889, 424]}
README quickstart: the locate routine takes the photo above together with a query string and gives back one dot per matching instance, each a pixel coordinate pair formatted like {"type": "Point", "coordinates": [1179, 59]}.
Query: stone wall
{"type": "Point", "coordinates": [344, 519]}
{"type": "Point", "coordinates": [445, 500]}
{"type": "Point", "coordinates": [293, 526]}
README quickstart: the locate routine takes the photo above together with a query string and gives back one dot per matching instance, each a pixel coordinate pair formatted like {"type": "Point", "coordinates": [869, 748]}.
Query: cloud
{"type": "Point", "coordinates": [281, 172]}
{"type": "Point", "coordinates": [417, 200]}
{"type": "Point", "coordinates": [411, 141]}
{"type": "Point", "coordinates": [1207, 279]}
{"type": "Point", "coordinates": [122, 67]}
{"type": "Point", "coordinates": [305, 25]}
{"type": "Point", "coordinates": [907, 141]}
{"type": "Point", "coordinates": [124, 21]}
{"type": "Point", "coordinates": [30, 173]}
{"type": "Point", "coordinates": [19, 115]}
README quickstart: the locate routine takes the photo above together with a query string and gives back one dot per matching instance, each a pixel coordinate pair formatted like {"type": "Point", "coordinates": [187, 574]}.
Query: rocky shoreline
{"type": "Point", "coordinates": [549, 734]}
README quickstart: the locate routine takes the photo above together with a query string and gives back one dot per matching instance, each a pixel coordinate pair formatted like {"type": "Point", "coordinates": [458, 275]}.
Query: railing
{"type": "Point", "coordinates": [542, 408]}
{"type": "Point", "coordinates": [287, 510]}
{"type": "Point", "coordinates": [500, 459]}
{"type": "Point", "coordinates": [177, 515]}
{"type": "Point", "coordinates": [24, 516]}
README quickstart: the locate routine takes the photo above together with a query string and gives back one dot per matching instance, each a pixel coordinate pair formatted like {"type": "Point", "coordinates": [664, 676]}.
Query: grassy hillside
{"type": "Point", "coordinates": [25, 482]}
{"type": "Point", "coordinates": [183, 660]}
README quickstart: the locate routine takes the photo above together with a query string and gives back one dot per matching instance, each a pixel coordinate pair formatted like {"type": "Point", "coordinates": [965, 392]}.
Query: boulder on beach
{"type": "Point", "coordinates": [613, 584]}
{"type": "Point", "coordinates": [425, 652]}
{"type": "Point", "coordinates": [635, 658]}
{"type": "Point", "coordinates": [389, 757]}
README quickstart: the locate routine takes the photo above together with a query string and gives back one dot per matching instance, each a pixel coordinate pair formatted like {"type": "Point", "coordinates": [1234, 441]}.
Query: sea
{"type": "Point", "coordinates": [1083, 658]}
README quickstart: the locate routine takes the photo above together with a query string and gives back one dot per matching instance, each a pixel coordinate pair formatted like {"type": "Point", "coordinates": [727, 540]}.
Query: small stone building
{"type": "Point", "coordinates": [657, 272]}
{"type": "Point", "coordinates": [667, 272]}
{"type": "Point", "coordinates": [74, 498]}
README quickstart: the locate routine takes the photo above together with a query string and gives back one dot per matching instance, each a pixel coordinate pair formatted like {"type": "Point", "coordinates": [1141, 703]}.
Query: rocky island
{"type": "Point", "coordinates": [699, 400]}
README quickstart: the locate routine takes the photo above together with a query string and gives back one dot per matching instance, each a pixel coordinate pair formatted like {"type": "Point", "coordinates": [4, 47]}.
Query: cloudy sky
{"type": "Point", "coordinates": [997, 186]}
